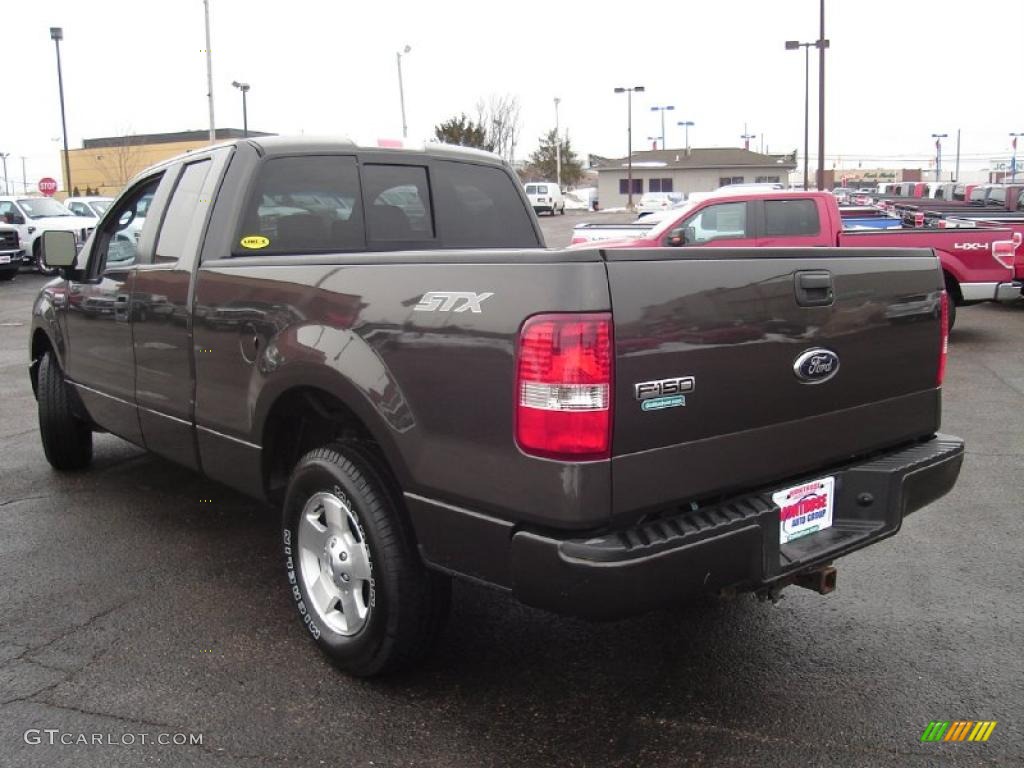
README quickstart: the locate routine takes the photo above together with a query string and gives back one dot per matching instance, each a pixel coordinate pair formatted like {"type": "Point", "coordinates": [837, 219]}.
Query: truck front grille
{"type": "Point", "coordinates": [8, 241]}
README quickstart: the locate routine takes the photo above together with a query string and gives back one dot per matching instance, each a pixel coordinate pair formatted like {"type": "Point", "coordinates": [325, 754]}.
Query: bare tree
{"type": "Point", "coordinates": [500, 116]}
{"type": "Point", "coordinates": [120, 161]}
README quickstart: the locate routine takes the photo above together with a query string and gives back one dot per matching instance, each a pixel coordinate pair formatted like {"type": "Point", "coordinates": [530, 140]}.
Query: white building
{"type": "Point", "coordinates": [676, 170]}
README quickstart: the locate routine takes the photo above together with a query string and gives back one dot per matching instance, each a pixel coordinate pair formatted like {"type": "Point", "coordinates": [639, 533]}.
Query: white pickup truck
{"type": "Point", "coordinates": [10, 252]}
{"type": "Point", "coordinates": [31, 216]}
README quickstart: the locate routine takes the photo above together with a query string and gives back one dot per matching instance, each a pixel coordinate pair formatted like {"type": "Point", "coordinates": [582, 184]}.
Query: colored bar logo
{"type": "Point", "coordinates": [958, 730]}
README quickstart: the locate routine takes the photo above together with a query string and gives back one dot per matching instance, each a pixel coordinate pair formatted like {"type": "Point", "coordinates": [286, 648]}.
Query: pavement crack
{"type": "Point", "coordinates": [26, 655]}
{"type": "Point", "coordinates": [21, 499]}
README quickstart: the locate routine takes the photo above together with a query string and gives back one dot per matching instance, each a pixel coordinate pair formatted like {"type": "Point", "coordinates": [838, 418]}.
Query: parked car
{"type": "Point", "coordinates": [89, 207]}
{"type": "Point", "coordinates": [421, 407]}
{"type": "Point", "coordinates": [32, 216]}
{"type": "Point", "coordinates": [978, 264]}
{"type": "Point", "coordinates": [546, 197]}
{"type": "Point", "coordinates": [652, 202]}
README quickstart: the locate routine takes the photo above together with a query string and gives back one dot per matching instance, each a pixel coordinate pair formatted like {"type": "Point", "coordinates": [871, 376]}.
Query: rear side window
{"type": "Point", "coordinates": [397, 201]}
{"type": "Point", "coordinates": [790, 217]}
{"type": "Point", "coordinates": [997, 196]}
{"type": "Point", "coordinates": [181, 212]}
{"type": "Point", "coordinates": [480, 207]}
{"type": "Point", "coordinates": [309, 204]}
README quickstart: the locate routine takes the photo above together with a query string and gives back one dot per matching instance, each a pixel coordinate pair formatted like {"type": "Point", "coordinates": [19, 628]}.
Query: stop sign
{"type": "Point", "coordinates": [47, 186]}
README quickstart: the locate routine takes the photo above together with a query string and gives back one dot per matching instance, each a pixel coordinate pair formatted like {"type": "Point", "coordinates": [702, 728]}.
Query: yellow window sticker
{"type": "Point", "coordinates": [255, 241]}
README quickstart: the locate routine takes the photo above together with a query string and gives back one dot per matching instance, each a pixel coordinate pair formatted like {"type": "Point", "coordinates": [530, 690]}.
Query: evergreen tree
{"type": "Point", "coordinates": [463, 131]}
{"type": "Point", "coordinates": [543, 164]}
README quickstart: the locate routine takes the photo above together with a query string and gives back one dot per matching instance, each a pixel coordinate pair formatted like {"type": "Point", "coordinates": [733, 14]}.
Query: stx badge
{"type": "Point", "coordinates": [445, 301]}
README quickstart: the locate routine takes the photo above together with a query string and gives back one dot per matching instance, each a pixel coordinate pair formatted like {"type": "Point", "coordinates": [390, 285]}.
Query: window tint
{"type": "Point", "coordinates": [790, 217]}
{"type": "Point", "coordinates": [716, 222]}
{"type": "Point", "coordinates": [118, 242]}
{"type": "Point", "coordinates": [303, 205]}
{"type": "Point", "coordinates": [397, 203]}
{"type": "Point", "coordinates": [480, 207]}
{"type": "Point", "coordinates": [182, 212]}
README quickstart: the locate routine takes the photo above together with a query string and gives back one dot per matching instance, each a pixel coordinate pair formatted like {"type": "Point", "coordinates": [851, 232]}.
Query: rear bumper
{"type": "Point", "coordinates": [733, 544]}
{"type": "Point", "coordinates": [1002, 292]}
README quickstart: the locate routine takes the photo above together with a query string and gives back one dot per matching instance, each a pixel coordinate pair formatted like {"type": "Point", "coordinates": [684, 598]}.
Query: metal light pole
{"type": "Point", "coordinates": [663, 110]}
{"type": "Point", "coordinates": [938, 154]}
{"type": "Point", "coordinates": [794, 45]}
{"type": "Point", "coordinates": [686, 125]}
{"type": "Point", "coordinates": [209, 71]}
{"type": "Point", "coordinates": [957, 173]}
{"type": "Point", "coordinates": [821, 44]}
{"type": "Point", "coordinates": [401, 89]}
{"type": "Point", "coordinates": [24, 176]}
{"type": "Point", "coordinates": [7, 184]}
{"type": "Point", "coordinates": [558, 147]}
{"type": "Point", "coordinates": [1013, 160]}
{"type": "Point", "coordinates": [629, 137]}
{"type": "Point", "coordinates": [57, 34]}
{"type": "Point", "coordinates": [244, 88]}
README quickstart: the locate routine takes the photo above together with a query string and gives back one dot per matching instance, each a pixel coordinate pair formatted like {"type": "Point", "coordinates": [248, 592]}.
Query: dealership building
{"type": "Point", "coordinates": [106, 164]}
{"type": "Point", "coordinates": [682, 171]}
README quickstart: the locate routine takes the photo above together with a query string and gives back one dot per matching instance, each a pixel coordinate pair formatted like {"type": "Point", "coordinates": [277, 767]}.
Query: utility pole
{"type": "Point", "coordinates": [938, 154]}
{"type": "Point", "coordinates": [7, 183]}
{"type": "Point", "coordinates": [401, 89]}
{"type": "Point", "coordinates": [1013, 160]}
{"type": "Point", "coordinates": [209, 72]}
{"type": "Point", "coordinates": [746, 137]}
{"type": "Point", "coordinates": [629, 137]}
{"type": "Point", "coordinates": [57, 34]}
{"type": "Point", "coordinates": [558, 148]}
{"type": "Point", "coordinates": [24, 176]}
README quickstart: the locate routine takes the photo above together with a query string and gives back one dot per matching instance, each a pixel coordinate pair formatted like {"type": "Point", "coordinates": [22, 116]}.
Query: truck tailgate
{"type": "Point", "coordinates": [714, 340]}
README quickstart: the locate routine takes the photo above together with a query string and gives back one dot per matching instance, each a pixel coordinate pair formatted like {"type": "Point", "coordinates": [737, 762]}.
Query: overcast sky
{"type": "Point", "coordinates": [897, 71]}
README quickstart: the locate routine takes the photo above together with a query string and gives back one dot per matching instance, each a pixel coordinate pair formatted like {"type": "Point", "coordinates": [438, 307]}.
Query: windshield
{"type": "Point", "coordinates": [41, 207]}
{"type": "Point", "coordinates": [100, 206]}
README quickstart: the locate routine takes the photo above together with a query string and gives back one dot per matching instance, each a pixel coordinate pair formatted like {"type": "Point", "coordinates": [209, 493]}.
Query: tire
{"type": "Point", "coordinates": [67, 440]}
{"type": "Point", "coordinates": [353, 568]}
{"type": "Point", "coordinates": [37, 260]}
{"type": "Point", "coordinates": [562, 212]}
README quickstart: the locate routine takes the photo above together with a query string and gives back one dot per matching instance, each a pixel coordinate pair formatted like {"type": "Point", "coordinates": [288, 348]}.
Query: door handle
{"type": "Point", "coordinates": [814, 288]}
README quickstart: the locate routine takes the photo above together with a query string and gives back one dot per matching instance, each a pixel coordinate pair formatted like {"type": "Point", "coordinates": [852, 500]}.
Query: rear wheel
{"type": "Point", "coordinates": [67, 440]}
{"type": "Point", "coordinates": [356, 577]}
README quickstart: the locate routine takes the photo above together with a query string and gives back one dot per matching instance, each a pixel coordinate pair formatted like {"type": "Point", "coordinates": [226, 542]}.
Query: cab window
{"type": "Point", "coordinates": [116, 244]}
{"type": "Point", "coordinates": [716, 222]}
{"type": "Point", "coordinates": [790, 218]}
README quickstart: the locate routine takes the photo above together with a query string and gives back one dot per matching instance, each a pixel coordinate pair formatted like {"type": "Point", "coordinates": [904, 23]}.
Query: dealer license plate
{"type": "Point", "coordinates": [805, 509]}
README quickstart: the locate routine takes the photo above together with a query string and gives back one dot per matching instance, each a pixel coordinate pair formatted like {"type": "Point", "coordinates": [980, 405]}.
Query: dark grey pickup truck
{"type": "Point", "coordinates": [377, 341]}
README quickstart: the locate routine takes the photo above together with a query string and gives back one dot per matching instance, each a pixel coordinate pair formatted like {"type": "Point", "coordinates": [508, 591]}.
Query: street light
{"type": "Point", "coordinates": [244, 88]}
{"type": "Point", "coordinates": [795, 45]}
{"type": "Point", "coordinates": [938, 154]}
{"type": "Point", "coordinates": [558, 148]}
{"type": "Point", "coordinates": [629, 137]}
{"type": "Point", "coordinates": [7, 185]}
{"type": "Point", "coordinates": [686, 125]}
{"type": "Point", "coordinates": [401, 89]}
{"type": "Point", "coordinates": [1013, 160]}
{"type": "Point", "coordinates": [747, 137]}
{"type": "Point", "coordinates": [663, 110]}
{"type": "Point", "coordinates": [57, 34]}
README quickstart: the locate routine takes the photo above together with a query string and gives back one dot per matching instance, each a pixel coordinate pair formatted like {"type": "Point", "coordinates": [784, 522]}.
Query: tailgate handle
{"type": "Point", "coordinates": [814, 289]}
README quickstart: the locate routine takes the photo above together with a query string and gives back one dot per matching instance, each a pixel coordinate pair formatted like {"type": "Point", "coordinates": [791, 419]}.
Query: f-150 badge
{"type": "Point", "coordinates": [445, 301]}
{"type": "Point", "coordinates": [664, 393]}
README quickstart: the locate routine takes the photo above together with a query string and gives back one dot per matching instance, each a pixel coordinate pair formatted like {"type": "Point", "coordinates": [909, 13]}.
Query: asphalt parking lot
{"type": "Point", "coordinates": [130, 607]}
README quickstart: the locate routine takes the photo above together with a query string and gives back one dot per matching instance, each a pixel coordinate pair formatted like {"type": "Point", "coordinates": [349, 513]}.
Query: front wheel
{"type": "Point", "coordinates": [67, 440]}
{"type": "Point", "coordinates": [355, 575]}
{"type": "Point", "coordinates": [37, 257]}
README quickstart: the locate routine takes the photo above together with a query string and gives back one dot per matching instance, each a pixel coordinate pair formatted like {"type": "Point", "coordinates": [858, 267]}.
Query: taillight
{"type": "Point", "coordinates": [564, 386]}
{"type": "Point", "coordinates": [943, 338]}
{"type": "Point", "coordinates": [1003, 252]}
{"type": "Point", "coordinates": [942, 223]}
{"type": "Point", "coordinates": [577, 240]}
{"type": "Point", "coordinates": [918, 219]}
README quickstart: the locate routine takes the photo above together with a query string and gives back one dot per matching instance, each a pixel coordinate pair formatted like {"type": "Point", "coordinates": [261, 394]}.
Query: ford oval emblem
{"type": "Point", "coordinates": [816, 365]}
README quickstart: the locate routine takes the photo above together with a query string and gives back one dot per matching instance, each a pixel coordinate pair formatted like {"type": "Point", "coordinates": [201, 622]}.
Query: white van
{"type": "Point", "coordinates": [546, 196]}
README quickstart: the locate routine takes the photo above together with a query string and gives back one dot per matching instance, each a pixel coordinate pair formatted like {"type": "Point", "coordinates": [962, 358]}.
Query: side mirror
{"type": "Point", "coordinates": [59, 249]}
{"type": "Point", "coordinates": [681, 236]}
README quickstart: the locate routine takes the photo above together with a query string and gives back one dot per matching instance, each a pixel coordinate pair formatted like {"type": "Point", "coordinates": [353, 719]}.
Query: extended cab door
{"type": "Point", "coordinates": [792, 222]}
{"type": "Point", "coordinates": [99, 359]}
{"type": "Point", "coordinates": [161, 312]}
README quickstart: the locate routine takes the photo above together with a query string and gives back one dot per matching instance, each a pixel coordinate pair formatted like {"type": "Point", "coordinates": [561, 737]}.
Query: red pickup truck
{"type": "Point", "coordinates": [982, 264]}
